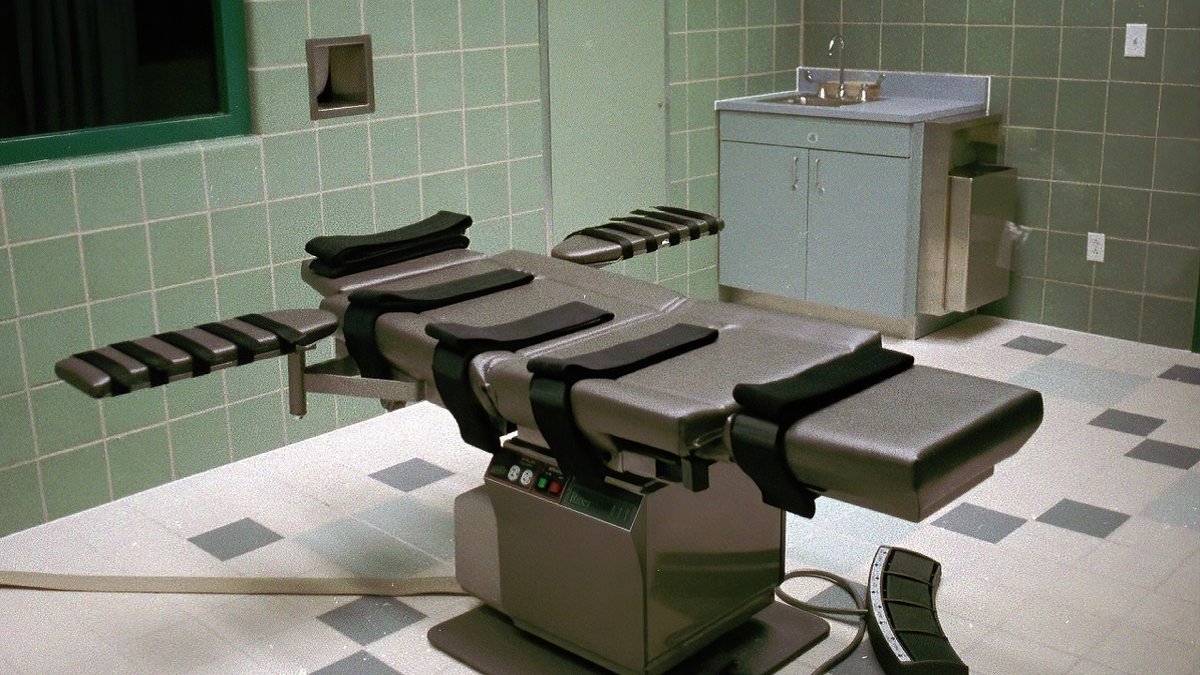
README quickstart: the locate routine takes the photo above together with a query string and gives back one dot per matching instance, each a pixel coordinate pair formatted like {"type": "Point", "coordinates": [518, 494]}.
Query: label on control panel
{"type": "Point", "coordinates": [528, 475]}
{"type": "Point", "coordinates": [614, 505]}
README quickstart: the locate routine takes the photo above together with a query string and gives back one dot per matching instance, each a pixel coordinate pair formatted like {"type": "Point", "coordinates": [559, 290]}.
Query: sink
{"type": "Point", "coordinates": [811, 99]}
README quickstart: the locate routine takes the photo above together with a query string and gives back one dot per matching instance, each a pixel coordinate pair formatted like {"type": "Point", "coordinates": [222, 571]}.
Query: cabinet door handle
{"type": "Point", "coordinates": [795, 173]}
{"type": "Point", "coordinates": [817, 175]}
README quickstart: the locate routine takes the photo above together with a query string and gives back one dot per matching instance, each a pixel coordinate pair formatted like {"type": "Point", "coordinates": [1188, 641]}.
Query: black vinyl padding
{"type": "Point", "coordinates": [714, 224]}
{"type": "Point", "coordinates": [204, 357]}
{"type": "Point", "coordinates": [458, 344]}
{"type": "Point", "coordinates": [518, 334]}
{"type": "Point", "coordinates": [648, 235]}
{"type": "Point", "coordinates": [339, 255]}
{"type": "Point", "coordinates": [627, 357]}
{"type": "Point", "coordinates": [250, 343]}
{"type": "Point", "coordinates": [675, 231]}
{"type": "Point", "coordinates": [626, 245]}
{"type": "Point", "coordinates": [553, 378]}
{"type": "Point", "coordinates": [125, 377]}
{"type": "Point", "coordinates": [162, 369]}
{"type": "Point", "coordinates": [695, 228]}
{"type": "Point", "coordinates": [757, 433]}
{"type": "Point", "coordinates": [786, 400]}
{"type": "Point", "coordinates": [293, 335]}
{"type": "Point", "coordinates": [367, 305]}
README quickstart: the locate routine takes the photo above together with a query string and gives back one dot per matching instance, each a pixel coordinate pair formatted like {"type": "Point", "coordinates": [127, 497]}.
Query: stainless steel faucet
{"type": "Point", "coordinates": [841, 45]}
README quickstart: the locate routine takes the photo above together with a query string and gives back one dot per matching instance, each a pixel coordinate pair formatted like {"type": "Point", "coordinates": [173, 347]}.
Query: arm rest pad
{"type": "Point", "coordinates": [911, 444]}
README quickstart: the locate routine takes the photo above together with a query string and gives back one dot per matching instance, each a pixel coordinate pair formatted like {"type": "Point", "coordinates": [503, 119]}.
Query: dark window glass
{"type": "Point", "coordinates": [67, 65]}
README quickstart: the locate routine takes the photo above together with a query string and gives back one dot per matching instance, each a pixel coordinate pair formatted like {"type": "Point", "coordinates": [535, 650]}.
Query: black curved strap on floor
{"type": "Point", "coordinates": [458, 344]}
{"type": "Point", "coordinates": [553, 378]}
{"type": "Point", "coordinates": [339, 255]}
{"type": "Point", "coordinates": [367, 305]}
{"type": "Point", "coordinates": [758, 433]}
{"type": "Point", "coordinates": [608, 235]}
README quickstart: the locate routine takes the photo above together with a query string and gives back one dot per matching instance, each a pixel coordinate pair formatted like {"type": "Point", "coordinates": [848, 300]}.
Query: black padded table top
{"type": "Point", "coordinates": [912, 443]}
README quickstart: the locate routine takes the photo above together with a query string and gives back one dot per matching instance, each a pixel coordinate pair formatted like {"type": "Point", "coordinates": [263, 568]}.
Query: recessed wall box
{"type": "Point", "coordinates": [340, 77]}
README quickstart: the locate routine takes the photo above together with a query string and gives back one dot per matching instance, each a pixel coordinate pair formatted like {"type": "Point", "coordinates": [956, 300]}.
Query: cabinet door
{"type": "Point", "coordinates": [764, 203]}
{"type": "Point", "coordinates": [858, 232]}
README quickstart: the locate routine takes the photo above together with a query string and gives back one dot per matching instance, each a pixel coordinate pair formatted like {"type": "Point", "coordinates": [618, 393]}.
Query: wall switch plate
{"type": "Point", "coordinates": [1135, 40]}
{"type": "Point", "coordinates": [1095, 247]}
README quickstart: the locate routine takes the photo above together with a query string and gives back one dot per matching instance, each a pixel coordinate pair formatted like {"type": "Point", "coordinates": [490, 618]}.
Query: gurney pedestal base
{"type": "Point", "coordinates": [487, 641]}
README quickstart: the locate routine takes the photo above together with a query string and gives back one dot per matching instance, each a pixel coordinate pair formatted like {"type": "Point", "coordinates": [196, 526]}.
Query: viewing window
{"type": "Point", "coordinates": [86, 76]}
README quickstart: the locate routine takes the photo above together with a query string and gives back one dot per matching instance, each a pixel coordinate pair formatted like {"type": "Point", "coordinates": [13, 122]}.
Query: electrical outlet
{"type": "Point", "coordinates": [1095, 247]}
{"type": "Point", "coordinates": [1135, 40]}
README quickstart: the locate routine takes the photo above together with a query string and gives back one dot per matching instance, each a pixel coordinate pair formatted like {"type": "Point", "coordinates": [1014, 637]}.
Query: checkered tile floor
{"type": "Point", "coordinates": [1080, 556]}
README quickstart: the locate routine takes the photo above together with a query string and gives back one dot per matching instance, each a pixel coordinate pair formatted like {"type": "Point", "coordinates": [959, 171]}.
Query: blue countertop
{"type": "Point", "coordinates": [906, 98]}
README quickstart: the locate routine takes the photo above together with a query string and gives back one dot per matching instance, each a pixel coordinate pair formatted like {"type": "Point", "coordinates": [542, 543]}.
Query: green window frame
{"type": "Point", "coordinates": [233, 89]}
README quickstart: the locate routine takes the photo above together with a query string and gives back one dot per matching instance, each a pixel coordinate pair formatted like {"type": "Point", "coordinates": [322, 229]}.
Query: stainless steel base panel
{"type": "Point", "coordinates": [487, 641]}
{"type": "Point", "coordinates": [636, 583]}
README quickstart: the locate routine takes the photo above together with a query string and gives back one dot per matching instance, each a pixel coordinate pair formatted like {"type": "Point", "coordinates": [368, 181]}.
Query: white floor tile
{"type": "Point", "coordinates": [1005, 653]}
{"type": "Point", "coordinates": [1167, 617]}
{"type": "Point", "coordinates": [185, 647]}
{"type": "Point", "coordinates": [1132, 650]}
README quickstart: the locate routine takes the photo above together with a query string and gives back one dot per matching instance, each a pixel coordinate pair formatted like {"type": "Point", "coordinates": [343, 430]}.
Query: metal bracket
{"type": "Point", "coordinates": [340, 376]}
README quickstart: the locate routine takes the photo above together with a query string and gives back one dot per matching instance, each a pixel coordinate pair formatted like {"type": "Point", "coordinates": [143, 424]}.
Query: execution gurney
{"type": "Point", "coordinates": [644, 446]}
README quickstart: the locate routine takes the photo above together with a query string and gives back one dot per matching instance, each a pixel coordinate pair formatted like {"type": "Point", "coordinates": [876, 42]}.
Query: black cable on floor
{"type": "Point", "coordinates": [858, 614]}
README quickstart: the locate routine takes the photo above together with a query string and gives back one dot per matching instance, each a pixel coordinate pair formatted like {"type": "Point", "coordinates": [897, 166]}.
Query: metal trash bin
{"type": "Point", "coordinates": [981, 211]}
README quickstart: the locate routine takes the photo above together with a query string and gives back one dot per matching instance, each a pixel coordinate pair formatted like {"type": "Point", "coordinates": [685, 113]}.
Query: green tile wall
{"type": "Point", "coordinates": [106, 248]}
{"type": "Point", "coordinates": [1103, 143]}
{"type": "Point", "coordinates": [715, 49]}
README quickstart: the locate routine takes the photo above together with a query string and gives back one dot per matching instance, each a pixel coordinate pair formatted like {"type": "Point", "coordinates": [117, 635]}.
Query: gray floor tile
{"type": "Point", "coordinates": [423, 526]}
{"type": "Point", "coordinates": [237, 538]}
{"type": "Point", "coordinates": [358, 663]}
{"type": "Point", "coordinates": [1185, 374]}
{"type": "Point", "coordinates": [976, 521]}
{"type": "Point", "coordinates": [370, 618]}
{"type": "Point", "coordinates": [1035, 345]}
{"type": "Point", "coordinates": [1130, 423]}
{"type": "Point", "coordinates": [366, 551]}
{"type": "Point", "coordinates": [1170, 454]}
{"type": "Point", "coordinates": [1180, 505]}
{"type": "Point", "coordinates": [410, 475]}
{"type": "Point", "coordinates": [1084, 518]}
{"type": "Point", "coordinates": [1078, 382]}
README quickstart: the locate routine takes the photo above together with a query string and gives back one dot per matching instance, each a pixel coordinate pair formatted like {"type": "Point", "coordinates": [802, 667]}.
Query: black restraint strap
{"type": "Point", "coordinates": [382, 258]}
{"type": "Point", "coordinates": [162, 369]}
{"type": "Point", "coordinates": [695, 228]}
{"type": "Point", "coordinates": [714, 224]}
{"type": "Point", "coordinates": [550, 392]}
{"type": "Point", "coordinates": [675, 231]}
{"type": "Point", "coordinates": [123, 380]}
{"type": "Point", "coordinates": [345, 254]}
{"type": "Point", "coordinates": [249, 346]}
{"type": "Point", "coordinates": [649, 235]}
{"type": "Point", "coordinates": [458, 344]}
{"type": "Point", "coordinates": [608, 235]}
{"type": "Point", "coordinates": [204, 359]}
{"type": "Point", "coordinates": [367, 305]}
{"type": "Point", "coordinates": [759, 432]}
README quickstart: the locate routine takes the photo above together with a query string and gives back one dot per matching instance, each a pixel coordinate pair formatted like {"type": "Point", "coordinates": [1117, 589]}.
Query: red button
{"type": "Point", "coordinates": [555, 487]}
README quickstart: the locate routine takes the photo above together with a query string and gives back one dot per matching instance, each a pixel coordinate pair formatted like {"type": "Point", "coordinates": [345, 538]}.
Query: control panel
{"type": "Point", "coordinates": [901, 616]}
{"type": "Point", "coordinates": [529, 475]}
